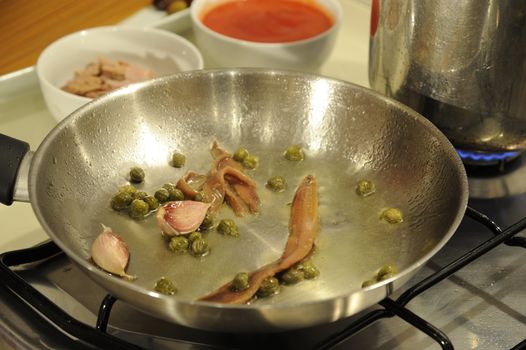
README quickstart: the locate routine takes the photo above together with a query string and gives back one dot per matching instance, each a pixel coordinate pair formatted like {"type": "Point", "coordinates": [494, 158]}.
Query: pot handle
{"type": "Point", "coordinates": [12, 153]}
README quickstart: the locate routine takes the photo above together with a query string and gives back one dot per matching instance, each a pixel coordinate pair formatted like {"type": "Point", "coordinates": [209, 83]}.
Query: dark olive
{"type": "Point", "coordinates": [207, 223]}
{"type": "Point", "coordinates": [139, 195]}
{"type": "Point", "coordinates": [368, 283]}
{"type": "Point", "coordinates": [292, 276]}
{"type": "Point", "coordinates": [392, 216]}
{"type": "Point", "coordinates": [199, 247]}
{"type": "Point", "coordinates": [310, 271]}
{"type": "Point", "coordinates": [175, 194]}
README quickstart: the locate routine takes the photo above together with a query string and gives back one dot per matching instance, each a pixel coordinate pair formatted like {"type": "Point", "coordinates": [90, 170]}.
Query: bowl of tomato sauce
{"type": "Point", "coordinates": [284, 34]}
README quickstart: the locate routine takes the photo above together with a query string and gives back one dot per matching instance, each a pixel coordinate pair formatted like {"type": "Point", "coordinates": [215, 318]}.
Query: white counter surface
{"type": "Point", "coordinates": [23, 113]}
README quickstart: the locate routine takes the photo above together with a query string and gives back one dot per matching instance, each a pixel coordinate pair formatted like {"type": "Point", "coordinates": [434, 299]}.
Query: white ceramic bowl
{"type": "Point", "coordinates": [161, 51]}
{"type": "Point", "coordinates": [224, 51]}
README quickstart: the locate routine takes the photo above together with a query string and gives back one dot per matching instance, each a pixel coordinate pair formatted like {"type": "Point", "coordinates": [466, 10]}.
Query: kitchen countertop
{"type": "Point", "coordinates": [26, 117]}
{"type": "Point", "coordinates": [27, 27]}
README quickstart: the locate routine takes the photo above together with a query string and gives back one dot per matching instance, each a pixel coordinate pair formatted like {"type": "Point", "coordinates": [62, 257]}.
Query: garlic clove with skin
{"type": "Point", "coordinates": [110, 252]}
{"type": "Point", "coordinates": [181, 217]}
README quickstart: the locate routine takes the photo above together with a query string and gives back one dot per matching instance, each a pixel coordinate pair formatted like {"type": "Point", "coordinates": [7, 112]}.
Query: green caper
{"type": "Point", "coordinates": [179, 244]}
{"type": "Point", "coordinates": [310, 271]}
{"type": "Point", "coordinates": [175, 194]}
{"type": "Point", "coordinates": [128, 189]}
{"type": "Point", "coordinates": [152, 202]}
{"type": "Point", "coordinates": [139, 208]}
{"type": "Point", "coordinates": [121, 201]}
{"type": "Point", "coordinates": [178, 160]}
{"type": "Point", "coordinates": [162, 195]}
{"type": "Point", "coordinates": [137, 174]}
{"type": "Point", "coordinates": [269, 286]}
{"type": "Point", "coordinates": [384, 277]}
{"type": "Point", "coordinates": [250, 162]}
{"type": "Point", "coordinates": [276, 184]}
{"type": "Point", "coordinates": [240, 154]}
{"type": "Point", "coordinates": [228, 227]}
{"type": "Point", "coordinates": [194, 236]}
{"type": "Point", "coordinates": [392, 216]}
{"type": "Point", "coordinates": [385, 270]}
{"type": "Point", "coordinates": [199, 197]}
{"type": "Point", "coordinates": [240, 282]}
{"type": "Point", "coordinates": [199, 247]}
{"type": "Point", "coordinates": [207, 224]}
{"type": "Point", "coordinates": [165, 286]}
{"type": "Point", "coordinates": [365, 188]}
{"type": "Point", "coordinates": [292, 276]}
{"type": "Point", "coordinates": [368, 283]}
{"type": "Point", "coordinates": [139, 195]}
{"type": "Point", "coordinates": [294, 153]}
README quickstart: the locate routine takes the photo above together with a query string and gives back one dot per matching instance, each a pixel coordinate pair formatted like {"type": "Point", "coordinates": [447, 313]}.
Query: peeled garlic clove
{"type": "Point", "coordinates": [110, 252]}
{"type": "Point", "coordinates": [181, 217]}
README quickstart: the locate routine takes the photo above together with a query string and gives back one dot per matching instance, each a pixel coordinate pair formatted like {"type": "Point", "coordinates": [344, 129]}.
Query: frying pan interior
{"type": "Point", "coordinates": [348, 133]}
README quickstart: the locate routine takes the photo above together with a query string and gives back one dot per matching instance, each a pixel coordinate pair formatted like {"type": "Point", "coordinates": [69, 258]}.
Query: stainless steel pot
{"type": "Point", "coordinates": [461, 63]}
{"type": "Point", "coordinates": [348, 133]}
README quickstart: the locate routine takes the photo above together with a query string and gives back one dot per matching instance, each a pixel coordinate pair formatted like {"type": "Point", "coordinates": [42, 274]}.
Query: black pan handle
{"type": "Point", "coordinates": [12, 151]}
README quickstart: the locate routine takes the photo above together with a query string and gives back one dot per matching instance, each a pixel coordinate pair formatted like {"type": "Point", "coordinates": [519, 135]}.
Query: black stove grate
{"type": "Point", "coordinates": [46, 311]}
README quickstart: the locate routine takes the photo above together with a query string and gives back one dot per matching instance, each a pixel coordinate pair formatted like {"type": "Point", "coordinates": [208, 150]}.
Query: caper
{"type": "Point", "coordinates": [152, 202]}
{"type": "Point", "coordinates": [365, 188]}
{"type": "Point", "coordinates": [199, 197]}
{"type": "Point", "coordinates": [175, 194]}
{"type": "Point", "coordinates": [165, 286]}
{"type": "Point", "coordinates": [250, 162]}
{"type": "Point", "coordinates": [240, 282]}
{"type": "Point", "coordinates": [228, 227]}
{"type": "Point", "coordinates": [292, 276]}
{"type": "Point", "coordinates": [199, 247]}
{"type": "Point", "coordinates": [162, 195]}
{"type": "Point", "coordinates": [139, 208]}
{"type": "Point", "coordinates": [385, 270]}
{"type": "Point", "coordinates": [121, 200]}
{"type": "Point", "coordinates": [276, 184]}
{"type": "Point", "coordinates": [136, 174]}
{"type": "Point", "coordinates": [310, 271]}
{"type": "Point", "coordinates": [128, 189]}
{"type": "Point", "coordinates": [194, 236]}
{"type": "Point", "coordinates": [240, 154]}
{"type": "Point", "coordinates": [384, 277]}
{"type": "Point", "coordinates": [269, 286]}
{"type": "Point", "coordinates": [207, 224]}
{"type": "Point", "coordinates": [139, 195]}
{"type": "Point", "coordinates": [368, 283]}
{"type": "Point", "coordinates": [179, 244]}
{"type": "Point", "coordinates": [294, 153]}
{"type": "Point", "coordinates": [392, 216]}
{"type": "Point", "coordinates": [178, 160]}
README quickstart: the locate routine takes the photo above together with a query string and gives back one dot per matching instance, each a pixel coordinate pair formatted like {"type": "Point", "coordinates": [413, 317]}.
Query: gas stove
{"type": "Point", "coordinates": [469, 296]}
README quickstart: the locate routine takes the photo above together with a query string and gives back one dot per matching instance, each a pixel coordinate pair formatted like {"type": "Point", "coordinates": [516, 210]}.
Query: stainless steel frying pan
{"type": "Point", "coordinates": [348, 132]}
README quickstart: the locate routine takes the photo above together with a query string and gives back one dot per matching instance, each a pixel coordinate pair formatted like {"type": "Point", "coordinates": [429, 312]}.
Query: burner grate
{"type": "Point", "coordinates": [44, 309]}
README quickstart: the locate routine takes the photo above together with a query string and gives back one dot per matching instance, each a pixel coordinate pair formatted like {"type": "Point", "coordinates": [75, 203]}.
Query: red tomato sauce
{"type": "Point", "coordinates": [268, 21]}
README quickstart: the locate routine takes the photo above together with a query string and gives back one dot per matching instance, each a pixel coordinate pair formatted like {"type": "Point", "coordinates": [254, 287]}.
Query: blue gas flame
{"type": "Point", "coordinates": [486, 157]}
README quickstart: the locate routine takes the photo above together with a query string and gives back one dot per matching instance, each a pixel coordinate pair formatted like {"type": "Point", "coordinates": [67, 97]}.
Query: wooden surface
{"type": "Point", "coordinates": [28, 26]}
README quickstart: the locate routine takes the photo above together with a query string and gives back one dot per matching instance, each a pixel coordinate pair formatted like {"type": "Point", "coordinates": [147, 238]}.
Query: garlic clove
{"type": "Point", "coordinates": [181, 217]}
{"type": "Point", "coordinates": [110, 252]}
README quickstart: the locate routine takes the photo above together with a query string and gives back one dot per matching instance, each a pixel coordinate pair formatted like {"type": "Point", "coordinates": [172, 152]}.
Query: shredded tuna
{"type": "Point", "coordinates": [100, 77]}
{"type": "Point", "coordinates": [303, 227]}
